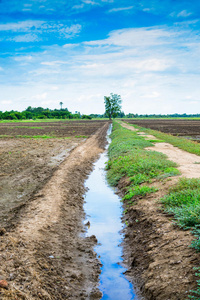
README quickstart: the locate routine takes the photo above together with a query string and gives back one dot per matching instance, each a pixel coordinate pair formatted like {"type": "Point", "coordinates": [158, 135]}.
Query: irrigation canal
{"type": "Point", "coordinates": [104, 210]}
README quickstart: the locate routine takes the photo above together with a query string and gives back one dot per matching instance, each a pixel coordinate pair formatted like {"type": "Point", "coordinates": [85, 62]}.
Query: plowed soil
{"type": "Point", "coordinates": [54, 129]}
{"type": "Point", "coordinates": [43, 252]}
{"type": "Point", "coordinates": [187, 128]}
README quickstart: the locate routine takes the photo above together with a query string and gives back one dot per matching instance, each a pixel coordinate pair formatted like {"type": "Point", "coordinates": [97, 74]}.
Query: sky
{"type": "Point", "coordinates": [78, 51]}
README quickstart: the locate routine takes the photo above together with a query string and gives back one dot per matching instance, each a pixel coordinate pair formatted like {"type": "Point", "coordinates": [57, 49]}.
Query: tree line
{"type": "Point", "coordinates": [33, 113]}
{"type": "Point", "coordinates": [112, 110]}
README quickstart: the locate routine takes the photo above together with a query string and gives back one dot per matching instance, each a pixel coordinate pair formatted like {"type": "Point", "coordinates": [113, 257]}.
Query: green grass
{"type": "Point", "coordinates": [35, 136]}
{"type": "Point", "coordinates": [183, 201]}
{"type": "Point", "coordinates": [139, 191]}
{"type": "Point", "coordinates": [128, 158]}
{"type": "Point", "coordinates": [81, 136]}
{"type": "Point", "coordinates": [181, 143]}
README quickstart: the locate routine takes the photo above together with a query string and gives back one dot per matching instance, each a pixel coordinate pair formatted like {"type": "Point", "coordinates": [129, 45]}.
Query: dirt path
{"type": "Point", "coordinates": [157, 252]}
{"type": "Point", "coordinates": [47, 256]}
{"type": "Point", "coordinates": [188, 163]}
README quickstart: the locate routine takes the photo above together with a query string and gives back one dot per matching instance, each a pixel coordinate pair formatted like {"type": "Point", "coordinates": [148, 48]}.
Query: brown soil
{"type": "Point", "coordinates": [186, 127]}
{"type": "Point", "coordinates": [156, 251]}
{"type": "Point", "coordinates": [56, 129]}
{"type": "Point", "coordinates": [45, 254]}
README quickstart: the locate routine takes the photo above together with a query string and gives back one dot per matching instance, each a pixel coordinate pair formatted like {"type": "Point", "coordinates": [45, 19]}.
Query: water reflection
{"type": "Point", "coordinates": [104, 209]}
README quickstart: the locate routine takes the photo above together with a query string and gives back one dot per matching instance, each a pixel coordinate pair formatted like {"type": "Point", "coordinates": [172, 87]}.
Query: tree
{"type": "Point", "coordinates": [61, 103]}
{"type": "Point", "coordinates": [112, 105]}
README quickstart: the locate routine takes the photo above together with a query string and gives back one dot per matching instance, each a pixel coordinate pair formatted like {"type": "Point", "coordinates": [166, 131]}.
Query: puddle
{"type": "Point", "coordinates": [104, 211]}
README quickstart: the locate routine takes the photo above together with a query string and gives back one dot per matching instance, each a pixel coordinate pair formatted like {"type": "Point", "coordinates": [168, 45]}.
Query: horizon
{"type": "Point", "coordinates": [80, 51]}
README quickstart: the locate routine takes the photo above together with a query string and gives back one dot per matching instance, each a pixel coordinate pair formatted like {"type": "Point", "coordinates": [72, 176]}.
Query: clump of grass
{"type": "Point", "coordinates": [81, 136]}
{"type": "Point", "coordinates": [35, 136]}
{"type": "Point", "coordinates": [183, 200]}
{"type": "Point", "coordinates": [196, 294]}
{"type": "Point", "coordinates": [139, 191]}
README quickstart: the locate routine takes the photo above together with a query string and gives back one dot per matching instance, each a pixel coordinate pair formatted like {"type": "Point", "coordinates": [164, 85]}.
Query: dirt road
{"type": "Point", "coordinates": [46, 256]}
{"type": "Point", "coordinates": [157, 252]}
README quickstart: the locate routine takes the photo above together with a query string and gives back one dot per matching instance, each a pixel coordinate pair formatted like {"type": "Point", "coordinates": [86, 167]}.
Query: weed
{"type": "Point", "coordinates": [81, 136]}
{"type": "Point", "coordinates": [156, 141]}
{"type": "Point", "coordinates": [183, 200]}
{"type": "Point", "coordinates": [197, 292]}
{"type": "Point", "coordinates": [35, 136]}
{"type": "Point", "coordinates": [139, 191]}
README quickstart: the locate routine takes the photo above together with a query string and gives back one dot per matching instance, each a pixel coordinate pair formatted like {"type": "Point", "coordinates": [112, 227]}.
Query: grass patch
{"type": "Point", "coordinates": [181, 143]}
{"type": "Point", "coordinates": [35, 136]}
{"type": "Point", "coordinates": [128, 158]}
{"type": "Point", "coordinates": [183, 200]}
{"type": "Point", "coordinates": [81, 136]}
{"type": "Point", "coordinates": [139, 191]}
{"type": "Point", "coordinates": [5, 136]}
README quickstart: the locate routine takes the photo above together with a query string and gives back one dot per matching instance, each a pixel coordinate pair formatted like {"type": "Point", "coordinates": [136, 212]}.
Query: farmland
{"type": "Point", "coordinates": [30, 153]}
{"type": "Point", "coordinates": [44, 253]}
{"type": "Point", "coordinates": [182, 127]}
{"type": "Point", "coordinates": [43, 169]}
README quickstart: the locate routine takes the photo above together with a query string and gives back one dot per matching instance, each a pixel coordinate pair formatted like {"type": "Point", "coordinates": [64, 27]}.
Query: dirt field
{"type": "Point", "coordinates": [187, 128]}
{"type": "Point", "coordinates": [54, 129]}
{"type": "Point", "coordinates": [43, 252]}
{"type": "Point", "coordinates": [157, 252]}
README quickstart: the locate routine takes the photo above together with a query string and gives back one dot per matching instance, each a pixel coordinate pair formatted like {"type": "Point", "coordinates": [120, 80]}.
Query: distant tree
{"type": "Point", "coordinates": [86, 117]}
{"type": "Point", "coordinates": [112, 105]}
{"type": "Point", "coordinates": [61, 103]}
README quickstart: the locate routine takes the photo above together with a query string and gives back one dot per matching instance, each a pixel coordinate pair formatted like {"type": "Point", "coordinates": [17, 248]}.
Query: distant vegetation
{"type": "Point", "coordinates": [41, 113]}
{"type": "Point", "coordinates": [33, 113]}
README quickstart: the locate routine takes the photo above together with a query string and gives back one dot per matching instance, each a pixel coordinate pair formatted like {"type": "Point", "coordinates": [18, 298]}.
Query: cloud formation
{"type": "Point", "coordinates": [77, 52]}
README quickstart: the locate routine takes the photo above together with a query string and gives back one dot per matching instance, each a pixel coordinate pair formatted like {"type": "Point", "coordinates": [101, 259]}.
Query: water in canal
{"type": "Point", "coordinates": [104, 211]}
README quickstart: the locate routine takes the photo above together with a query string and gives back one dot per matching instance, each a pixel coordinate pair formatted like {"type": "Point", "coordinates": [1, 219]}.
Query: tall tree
{"type": "Point", "coordinates": [112, 105]}
{"type": "Point", "coordinates": [61, 103]}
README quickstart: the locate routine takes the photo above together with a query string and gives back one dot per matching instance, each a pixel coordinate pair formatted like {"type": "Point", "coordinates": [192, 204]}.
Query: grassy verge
{"type": "Point", "coordinates": [128, 158]}
{"type": "Point", "coordinates": [181, 143]}
{"type": "Point", "coordinates": [183, 200]}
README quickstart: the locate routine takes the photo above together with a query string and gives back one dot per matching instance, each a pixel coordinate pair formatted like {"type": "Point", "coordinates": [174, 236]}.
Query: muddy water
{"type": "Point", "coordinates": [104, 211]}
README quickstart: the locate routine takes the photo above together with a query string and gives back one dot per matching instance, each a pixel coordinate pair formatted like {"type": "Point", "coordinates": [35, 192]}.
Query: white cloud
{"type": "Point", "coordinates": [26, 38]}
{"type": "Point", "coordinates": [22, 26]}
{"type": "Point", "coordinates": [151, 68]}
{"type": "Point", "coordinates": [78, 6]}
{"type": "Point", "coordinates": [184, 14]}
{"type": "Point", "coordinates": [152, 95]}
{"type": "Point", "coordinates": [23, 58]}
{"type": "Point", "coordinates": [137, 37]}
{"type": "Point", "coordinates": [6, 102]}
{"type": "Point", "coordinates": [54, 63]}
{"type": "Point", "coordinates": [181, 14]}
{"type": "Point", "coordinates": [118, 9]}
{"type": "Point", "coordinates": [33, 31]}
{"type": "Point", "coordinates": [40, 96]}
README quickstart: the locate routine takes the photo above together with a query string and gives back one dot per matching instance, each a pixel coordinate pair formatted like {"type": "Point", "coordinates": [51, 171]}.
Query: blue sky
{"type": "Point", "coordinates": [79, 51]}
